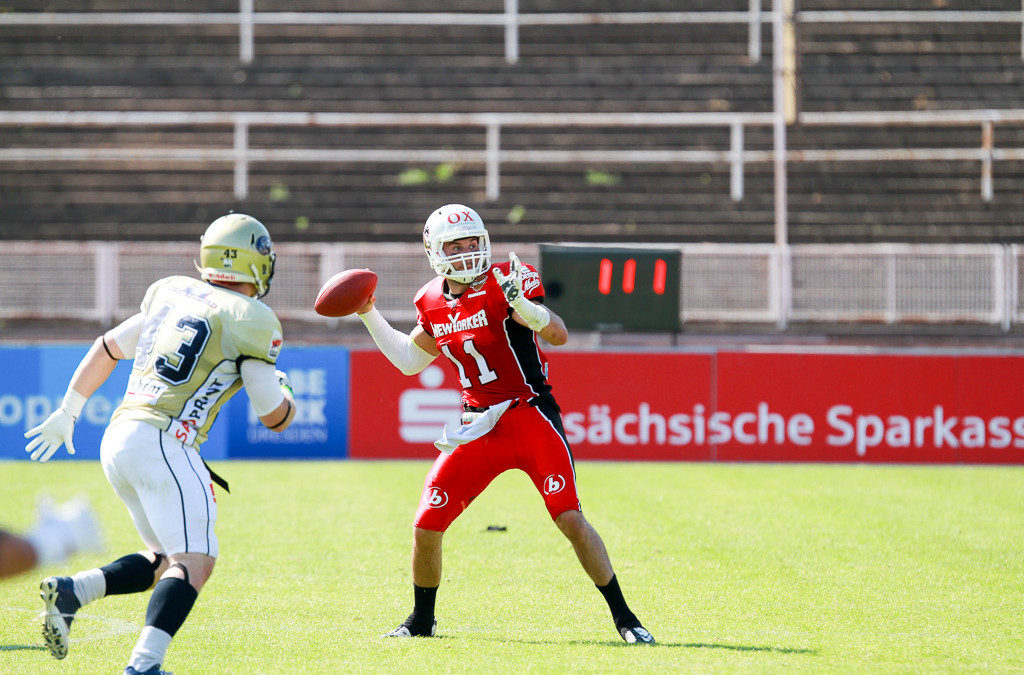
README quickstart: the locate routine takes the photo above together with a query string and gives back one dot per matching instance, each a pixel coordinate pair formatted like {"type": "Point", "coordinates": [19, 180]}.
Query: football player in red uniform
{"type": "Point", "coordinates": [486, 319]}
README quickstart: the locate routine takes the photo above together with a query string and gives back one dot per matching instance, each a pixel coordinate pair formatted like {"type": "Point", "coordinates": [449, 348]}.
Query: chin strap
{"type": "Point", "coordinates": [261, 286]}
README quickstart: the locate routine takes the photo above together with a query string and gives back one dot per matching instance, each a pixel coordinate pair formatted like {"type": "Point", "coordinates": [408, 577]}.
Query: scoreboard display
{"type": "Point", "coordinates": [613, 288]}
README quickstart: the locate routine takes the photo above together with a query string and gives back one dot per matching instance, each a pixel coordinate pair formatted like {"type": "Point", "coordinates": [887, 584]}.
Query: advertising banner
{"type": "Point", "coordinates": [634, 405]}
{"type": "Point", "coordinates": [398, 416]}
{"type": "Point", "coordinates": [731, 406]}
{"type": "Point", "coordinates": [36, 377]}
{"type": "Point", "coordinates": [34, 381]}
{"type": "Point", "coordinates": [320, 382]}
{"type": "Point", "coordinates": [875, 408]}
{"type": "Point", "coordinates": [708, 405]}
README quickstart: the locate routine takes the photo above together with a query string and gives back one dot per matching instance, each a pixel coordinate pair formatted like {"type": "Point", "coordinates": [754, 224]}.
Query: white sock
{"type": "Point", "coordinates": [150, 649]}
{"type": "Point", "coordinates": [90, 585]}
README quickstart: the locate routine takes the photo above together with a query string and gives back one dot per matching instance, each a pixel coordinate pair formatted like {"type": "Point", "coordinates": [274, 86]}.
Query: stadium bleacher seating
{"type": "Point", "coordinates": [566, 69]}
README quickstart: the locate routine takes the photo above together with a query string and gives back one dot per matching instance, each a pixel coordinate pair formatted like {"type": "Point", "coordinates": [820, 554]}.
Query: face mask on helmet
{"type": "Point", "coordinates": [237, 248]}
{"type": "Point", "coordinates": [450, 223]}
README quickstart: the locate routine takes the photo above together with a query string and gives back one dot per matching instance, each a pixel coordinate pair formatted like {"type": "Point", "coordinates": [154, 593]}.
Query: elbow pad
{"type": "Point", "coordinates": [263, 386]}
{"type": "Point", "coordinates": [398, 347]}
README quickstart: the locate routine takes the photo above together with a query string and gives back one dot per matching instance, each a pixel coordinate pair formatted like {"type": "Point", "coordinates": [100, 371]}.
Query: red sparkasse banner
{"type": "Point", "coordinates": [632, 405]}
{"type": "Point", "coordinates": [837, 407]}
{"type": "Point", "coordinates": [731, 406]}
{"type": "Point", "coordinates": [395, 416]}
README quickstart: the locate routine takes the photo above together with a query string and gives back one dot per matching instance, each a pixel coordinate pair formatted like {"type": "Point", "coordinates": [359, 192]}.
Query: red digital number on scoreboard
{"type": "Point", "coordinates": [604, 280]}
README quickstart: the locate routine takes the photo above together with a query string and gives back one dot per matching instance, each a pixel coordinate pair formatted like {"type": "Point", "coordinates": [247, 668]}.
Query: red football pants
{"type": "Point", "coordinates": [527, 438]}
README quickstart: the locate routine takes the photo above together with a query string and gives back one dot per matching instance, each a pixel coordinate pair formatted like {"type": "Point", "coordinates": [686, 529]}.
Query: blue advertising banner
{"type": "Point", "coordinates": [320, 380]}
{"type": "Point", "coordinates": [34, 382]}
{"type": "Point", "coordinates": [35, 378]}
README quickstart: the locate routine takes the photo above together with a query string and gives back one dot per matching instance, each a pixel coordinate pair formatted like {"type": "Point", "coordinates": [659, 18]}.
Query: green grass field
{"type": "Point", "coordinates": [733, 568]}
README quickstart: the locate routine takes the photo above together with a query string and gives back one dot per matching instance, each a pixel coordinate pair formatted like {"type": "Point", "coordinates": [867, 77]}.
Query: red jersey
{"type": "Point", "coordinates": [495, 358]}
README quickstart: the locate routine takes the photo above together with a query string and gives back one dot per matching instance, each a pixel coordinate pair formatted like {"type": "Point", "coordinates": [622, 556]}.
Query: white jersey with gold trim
{"type": "Point", "coordinates": [188, 358]}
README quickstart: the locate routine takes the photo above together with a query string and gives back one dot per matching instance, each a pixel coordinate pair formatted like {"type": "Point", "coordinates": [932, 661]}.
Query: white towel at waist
{"type": "Point", "coordinates": [472, 431]}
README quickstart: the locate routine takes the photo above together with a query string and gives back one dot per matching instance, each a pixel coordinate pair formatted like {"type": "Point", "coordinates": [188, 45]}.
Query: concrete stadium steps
{"type": "Point", "coordinates": [841, 83]}
{"type": "Point", "coordinates": [588, 68]}
{"type": "Point", "coordinates": [367, 68]}
{"type": "Point", "coordinates": [382, 45]}
{"type": "Point", "coordinates": [910, 66]}
{"type": "Point", "coordinates": [351, 202]}
{"type": "Point", "coordinates": [839, 201]}
{"type": "Point", "coordinates": [498, 89]}
{"type": "Point", "coordinates": [896, 202]}
{"type": "Point", "coordinates": [892, 201]}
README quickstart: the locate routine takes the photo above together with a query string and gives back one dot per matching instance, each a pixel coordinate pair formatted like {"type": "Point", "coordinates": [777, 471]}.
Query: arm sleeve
{"type": "Point", "coordinates": [400, 349]}
{"type": "Point", "coordinates": [262, 386]}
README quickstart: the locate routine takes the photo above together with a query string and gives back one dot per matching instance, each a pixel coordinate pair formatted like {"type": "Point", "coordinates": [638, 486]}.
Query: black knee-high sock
{"type": "Point", "coordinates": [623, 617]}
{"type": "Point", "coordinates": [423, 609]}
{"type": "Point", "coordinates": [170, 604]}
{"type": "Point", "coordinates": [133, 573]}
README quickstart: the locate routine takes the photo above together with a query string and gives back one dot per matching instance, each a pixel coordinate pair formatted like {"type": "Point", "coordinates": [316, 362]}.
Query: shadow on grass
{"type": "Point", "coordinates": [686, 645]}
{"type": "Point", "coordinates": [747, 648]}
{"type": "Point", "coordinates": [22, 648]}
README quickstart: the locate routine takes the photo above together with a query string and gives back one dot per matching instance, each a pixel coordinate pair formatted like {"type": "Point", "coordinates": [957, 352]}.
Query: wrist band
{"type": "Point", "coordinates": [536, 316]}
{"type": "Point", "coordinates": [73, 403]}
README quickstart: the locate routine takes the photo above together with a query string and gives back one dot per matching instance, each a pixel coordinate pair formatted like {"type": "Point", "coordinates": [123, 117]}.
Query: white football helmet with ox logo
{"type": "Point", "coordinates": [451, 222]}
{"type": "Point", "coordinates": [237, 248]}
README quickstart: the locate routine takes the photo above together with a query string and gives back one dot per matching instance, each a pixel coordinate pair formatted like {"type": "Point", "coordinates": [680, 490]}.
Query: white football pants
{"type": "Point", "coordinates": [164, 484]}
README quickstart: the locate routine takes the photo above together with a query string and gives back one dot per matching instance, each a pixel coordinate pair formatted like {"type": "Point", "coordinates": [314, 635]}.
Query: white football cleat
{"type": "Point", "coordinates": [405, 631]}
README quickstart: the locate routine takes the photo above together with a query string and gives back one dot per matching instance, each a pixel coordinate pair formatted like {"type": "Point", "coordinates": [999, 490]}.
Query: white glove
{"type": "Point", "coordinates": [536, 316]}
{"type": "Point", "coordinates": [57, 429]}
{"type": "Point", "coordinates": [282, 379]}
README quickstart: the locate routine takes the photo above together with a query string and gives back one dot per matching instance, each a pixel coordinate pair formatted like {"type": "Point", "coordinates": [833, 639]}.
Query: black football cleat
{"type": "Point", "coordinates": [636, 635]}
{"type": "Point", "coordinates": [61, 604]}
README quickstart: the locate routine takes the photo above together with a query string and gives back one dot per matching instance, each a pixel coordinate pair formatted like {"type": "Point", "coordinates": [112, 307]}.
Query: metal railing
{"type": "Point", "coordinates": [511, 19]}
{"type": "Point", "coordinates": [720, 283]}
{"type": "Point", "coordinates": [247, 18]}
{"type": "Point", "coordinates": [780, 284]}
{"type": "Point", "coordinates": [241, 155]}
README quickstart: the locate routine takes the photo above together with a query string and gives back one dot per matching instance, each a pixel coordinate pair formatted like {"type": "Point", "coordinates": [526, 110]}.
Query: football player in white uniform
{"type": "Point", "coordinates": [195, 343]}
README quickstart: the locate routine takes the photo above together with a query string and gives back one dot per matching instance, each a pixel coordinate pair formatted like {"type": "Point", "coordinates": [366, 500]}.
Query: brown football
{"type": "Point", "coordinates": [345, 292]}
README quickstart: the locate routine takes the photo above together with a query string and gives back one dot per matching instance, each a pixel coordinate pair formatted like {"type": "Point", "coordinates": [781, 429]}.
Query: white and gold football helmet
{"type": "Point", "coordinates": [451, 222]}
{"type": "Point", "coordinates": [237, 248]}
